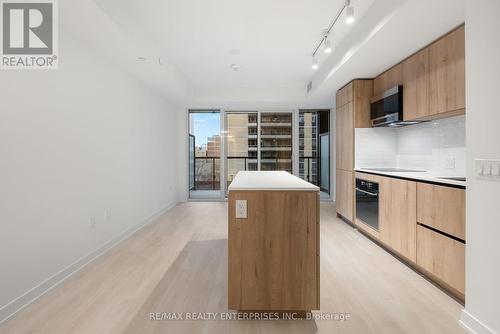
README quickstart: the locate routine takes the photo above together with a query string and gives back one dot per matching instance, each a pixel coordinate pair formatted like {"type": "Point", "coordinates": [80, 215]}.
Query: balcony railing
{"type": "Point", "coordinates": [207, 169]}
{"type": "Point", "coordinates": [310, 173]}
{"type": "Point", "coordinates": [207, 176]}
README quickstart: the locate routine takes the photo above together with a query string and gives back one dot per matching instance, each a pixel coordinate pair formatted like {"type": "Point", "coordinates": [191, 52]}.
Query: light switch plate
{"type": "Point", "coordinates": [241, 209]}
{"type": "Point", "coordinates": [487, 169]}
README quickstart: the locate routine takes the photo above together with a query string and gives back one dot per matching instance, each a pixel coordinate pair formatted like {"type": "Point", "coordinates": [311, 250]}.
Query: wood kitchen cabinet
{"type": "Point", "coordinates": [424, 223]}
{"type": "Point", "coordinates": [344, 95]}
{"type": "Point", "coordinates": [447, 73]}
{"type": "Point", "coordinates": [442, 208]}
{"type": "Point", "coordinates": [353, 111]}
{"type": "Point", "coordinates": [345, 137]}
{"type": "Point", "coordinates": [416, 86]}
{"type": "Point", "coordinates": [443, 258]}
{"type": "Point", "coordinates": [344, 189]}
{"type": "Point", "coordinates": [434, 79]}
{"type": "Point", "coordinates": [390, 78]}
{"type": "Point", "coordinates": [398, 217]}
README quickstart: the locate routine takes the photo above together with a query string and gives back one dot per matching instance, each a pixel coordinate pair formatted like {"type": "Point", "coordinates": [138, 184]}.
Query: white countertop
{"type": "Point", "coordinates": [422, 176]}
{"type": "Point", "coordinates": [267, 180]}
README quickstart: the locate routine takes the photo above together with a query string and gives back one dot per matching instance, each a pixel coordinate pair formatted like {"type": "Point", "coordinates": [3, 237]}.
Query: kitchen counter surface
{"type": "Point", "coordinates": [270, 180]}
{"type": "Point", "coordinates": [417, 176]}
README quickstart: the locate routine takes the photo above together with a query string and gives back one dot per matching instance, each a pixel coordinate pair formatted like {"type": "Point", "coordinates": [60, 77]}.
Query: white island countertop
{"type": "Point", "coordinates": [267, 180]}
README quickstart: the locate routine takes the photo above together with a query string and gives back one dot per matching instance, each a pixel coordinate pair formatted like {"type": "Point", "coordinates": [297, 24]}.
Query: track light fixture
{"type": "Point", "coordinates": [314, 65]}
{"type": "Point", "coordinates": [325, 41]}
{"type": "Point", "coordinates": [349, 12]}
{"type": "Point", "coordinates": [327, 45]}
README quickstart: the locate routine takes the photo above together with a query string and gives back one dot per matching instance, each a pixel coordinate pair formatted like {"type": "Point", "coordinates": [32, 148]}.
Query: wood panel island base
{"type": "Point", "coordinates": [273, 260]}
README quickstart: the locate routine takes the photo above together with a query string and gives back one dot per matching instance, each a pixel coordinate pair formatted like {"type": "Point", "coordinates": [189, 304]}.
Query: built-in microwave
{"type": "Point", "coordinates": [386, 109]}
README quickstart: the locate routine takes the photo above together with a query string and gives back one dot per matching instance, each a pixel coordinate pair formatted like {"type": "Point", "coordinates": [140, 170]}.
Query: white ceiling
{"type": "Point", "coordinates": [275, 39]}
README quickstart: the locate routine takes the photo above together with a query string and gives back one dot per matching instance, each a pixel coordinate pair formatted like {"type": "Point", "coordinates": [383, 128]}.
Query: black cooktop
{"type": "Point", "coordinates": [395, 170]}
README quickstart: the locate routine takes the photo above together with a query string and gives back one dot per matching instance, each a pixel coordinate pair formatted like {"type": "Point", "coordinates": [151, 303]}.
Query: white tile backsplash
{"type": "Point", "coordinates": [437, 146]}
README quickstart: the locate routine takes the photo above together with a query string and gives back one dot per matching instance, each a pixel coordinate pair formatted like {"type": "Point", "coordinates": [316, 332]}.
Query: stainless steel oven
{"type": "Point", "coordinates": [367, 198]}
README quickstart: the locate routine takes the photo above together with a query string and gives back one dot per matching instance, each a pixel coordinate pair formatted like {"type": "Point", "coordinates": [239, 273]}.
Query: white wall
{"type": "Point", "coordinates": [74, 143]}
{"type": "Point", "coordinates": [482, 28]}
{"type": "Point", "coordinates": [427, 146]}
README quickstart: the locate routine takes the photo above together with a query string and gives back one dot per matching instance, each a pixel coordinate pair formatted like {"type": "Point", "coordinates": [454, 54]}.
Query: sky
{"type": "Point", "coordinates": [204, 125]}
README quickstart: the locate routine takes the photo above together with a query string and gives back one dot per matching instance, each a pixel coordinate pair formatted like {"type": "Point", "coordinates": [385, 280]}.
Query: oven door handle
{"type": "Point", "coordinates": [366, 192]}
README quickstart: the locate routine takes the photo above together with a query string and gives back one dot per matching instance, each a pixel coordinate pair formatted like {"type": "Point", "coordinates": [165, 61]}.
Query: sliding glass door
{"type": "Point", "coordinates": [258, 141]}
{"type": "Point", "coordinates": [276, 141]}
{"type": "Point", "coordinates": [241, 147]}
{"type": "Point", "coordinates": [204, 154]}
{"type": "Point", "coordinates": [314, 148]}
{"type": "Point", "coordinates": [220, 147]}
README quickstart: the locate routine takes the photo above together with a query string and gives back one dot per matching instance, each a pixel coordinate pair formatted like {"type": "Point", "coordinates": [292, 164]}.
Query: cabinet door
{"type": "Point", "coordinates": [339, 120]}
{"type": "Point", "coordinates": [442, 257]}
{"type": "Point", "coordinates": [398, 217]}
{"type": "Point", "coordinates": [388, 79]}
{"type": "Point", "coordinates": [348, 93]}
{"type": "Point", "coordinates": [442, 208]}
{"type": "Point", "coordinates": [344, 195]}
{"type": "Point", "coordinates": [338, 99]}
{"type": "Point", "coordinates": [447, 73]}
{"type": "Point", "coordinates": [362, 92]}
{"type": "Point", "coordinates": [416, 86]}
{"type": "Point", "coordinates": [345, 138]}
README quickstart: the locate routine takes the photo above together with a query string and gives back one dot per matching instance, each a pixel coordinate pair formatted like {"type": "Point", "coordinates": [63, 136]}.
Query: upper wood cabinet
{"type": "Point", "coordinates": [362, 92]}
{"type": "Point", "coordinates": [344, 95]}
{"type": "Point", "coordinates": [442, 208]}
{"type": "Point", "coordinates": [434, 79]}
{"type": "Point", "coordinates": [390, 78]}
{"type": "Point", "coordinates": [416, 86]}
{"type": "Point", "coordinates": [447, 73]}
{"type": "Point", "coordinates": [398, 217]}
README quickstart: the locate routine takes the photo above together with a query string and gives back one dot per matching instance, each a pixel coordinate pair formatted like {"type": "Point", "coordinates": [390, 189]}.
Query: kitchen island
{"type": "Point", "coordinates": [273, 242]}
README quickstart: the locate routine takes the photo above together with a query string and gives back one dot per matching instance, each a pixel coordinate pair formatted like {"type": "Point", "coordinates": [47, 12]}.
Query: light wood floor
{"type": "Point", "coordinates": [179, 264]}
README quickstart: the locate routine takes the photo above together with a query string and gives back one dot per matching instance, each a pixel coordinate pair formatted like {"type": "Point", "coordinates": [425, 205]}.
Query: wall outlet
{"type": "Point", "coordinates": [241, 209]}
{"type": "Point", "coordinates": [449, 163]}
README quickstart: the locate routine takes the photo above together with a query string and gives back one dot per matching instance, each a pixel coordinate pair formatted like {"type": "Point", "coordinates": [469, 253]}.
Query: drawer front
{"type": "Point", "coordinates": [442, 208]}
{"type": "Point", "coordinates": [442, 256]}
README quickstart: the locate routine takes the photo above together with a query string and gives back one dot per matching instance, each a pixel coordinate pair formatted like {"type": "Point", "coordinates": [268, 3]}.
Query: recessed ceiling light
{"type": "Point", "coordinates": [234, 52]}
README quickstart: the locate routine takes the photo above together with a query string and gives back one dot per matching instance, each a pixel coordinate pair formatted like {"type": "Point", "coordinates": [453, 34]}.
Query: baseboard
{"type": "Point", "coordinates": [473, 325]}
{"type": "Point", "coordinates": [9, 310]}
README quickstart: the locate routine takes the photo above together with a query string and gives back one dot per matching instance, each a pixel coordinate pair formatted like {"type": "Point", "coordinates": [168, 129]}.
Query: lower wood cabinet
{"type": "Point", "coordinates": [424, 224]}
{"type": "Point", "coordinates": [442, 257]}
{"type": "Point", "coordinates": [344, 194]}
{"type": "Point", "coordinates": [442, 208]}
{"type": "Point", "coordinates": [398, 215]}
